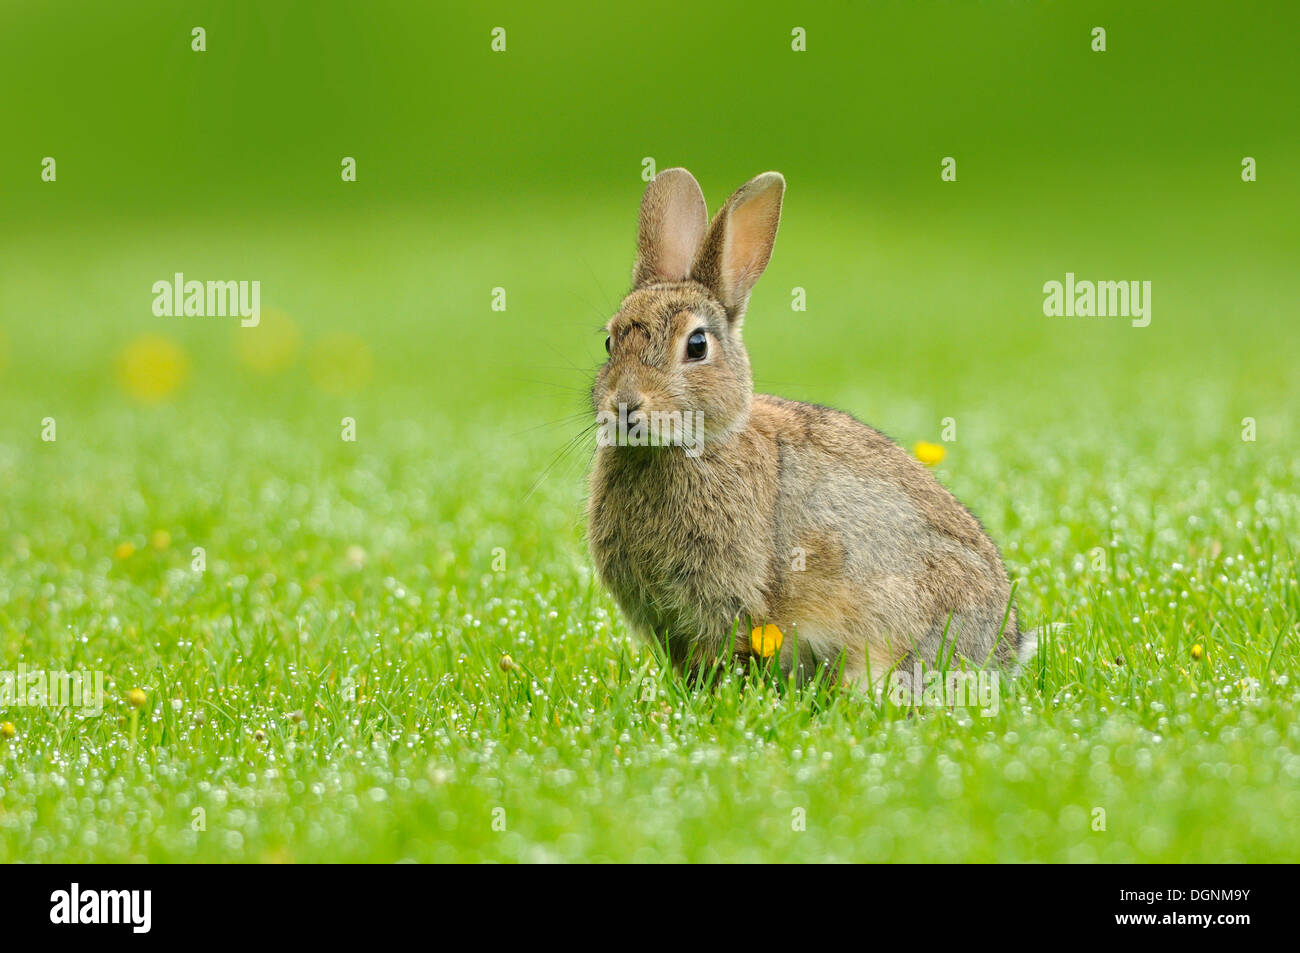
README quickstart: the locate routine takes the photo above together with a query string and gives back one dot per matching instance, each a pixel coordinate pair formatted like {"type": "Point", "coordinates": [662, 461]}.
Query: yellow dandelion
{"type": "Point", "coordinates": [136, 697]}
{"type": "Point", "coordinates": [507, 664]}
{"type": "Point", "coordinates": [152, 368]}
{"type": "Point", "coordinates": [271, 346]}
{"type": "Point", "coordinates": [929, 453]}
{"type": "Point", "coordinates": [765, 640]}
{"type": "Point", "coordinates": [1198, 652]}
{"type": "Point", "coordinates": [259, 735]}
{"type": "Point", "coordinates": [341, 364]}
{"type": "Point", "coordinates": [7, 729]}
{"type": "Point", "coordinates": [160, 539]}
{"type": "Point", "coordinates": [124, 550]}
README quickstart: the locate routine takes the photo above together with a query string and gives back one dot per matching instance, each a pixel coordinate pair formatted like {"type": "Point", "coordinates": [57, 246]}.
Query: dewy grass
{"type": "Point", "coordinates": [305, 705]}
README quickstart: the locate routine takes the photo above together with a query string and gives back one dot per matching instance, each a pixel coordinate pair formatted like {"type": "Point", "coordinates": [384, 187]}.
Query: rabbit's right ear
{"type": "Point", "coordinates": [673, 220]}
{"type": "Point", "coordinates": [739, 243]}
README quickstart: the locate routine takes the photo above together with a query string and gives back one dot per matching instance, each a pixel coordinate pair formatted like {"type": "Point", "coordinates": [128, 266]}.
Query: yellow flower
{"type": "Point", "coordinates": [928, 453]}
{"type": "Point", "coordinates": [1198, 652]}
{"type": "Point", "coordinates": [508, 664]}
{"type": "Point", "coordinates": [160, 539]}
{"type": "Point", "coordinates": [765, 640]}
{"type": "Point", "coordinates": [270, 346]}
{"type": "Point", "coordinates": [152, 367]}
{"type": "Point", "coordinates": [136, 697]}
{"type": "Point", "coordinates": [124, 550]}
{"type": "Point", "coordinates": [7, 729]}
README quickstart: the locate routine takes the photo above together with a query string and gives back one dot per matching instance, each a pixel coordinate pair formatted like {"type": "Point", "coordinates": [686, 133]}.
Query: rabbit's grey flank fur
{"type": "Point", "coordinates": [789, 513]}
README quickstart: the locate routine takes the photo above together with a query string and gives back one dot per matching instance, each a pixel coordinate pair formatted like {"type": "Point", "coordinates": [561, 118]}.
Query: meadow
{"type": "Point", "coordinates": [394, 647]}
{"type": "Point", "coordinates": [331, 685]}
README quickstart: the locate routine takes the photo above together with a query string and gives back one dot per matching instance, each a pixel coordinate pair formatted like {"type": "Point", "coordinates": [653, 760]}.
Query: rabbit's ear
{"type": "Point", "coordinates": [673, 220]}
{"type": "Point", "coordinates": [739, 243]}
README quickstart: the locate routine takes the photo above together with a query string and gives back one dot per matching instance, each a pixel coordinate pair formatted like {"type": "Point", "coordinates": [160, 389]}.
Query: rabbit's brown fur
{"type": "Point", "coordinates": [792, 514]}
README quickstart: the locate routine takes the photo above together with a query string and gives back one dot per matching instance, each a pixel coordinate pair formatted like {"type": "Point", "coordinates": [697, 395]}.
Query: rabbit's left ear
{"type": "Point", "coordinates": [739, 243]}
{"type": "Point", "coordinates": [673, 220]}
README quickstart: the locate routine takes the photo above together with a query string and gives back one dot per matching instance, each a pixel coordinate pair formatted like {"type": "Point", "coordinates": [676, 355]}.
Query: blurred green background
{"type": "Point", "coordinates": [522, 170]}
{"type": "Point", "coordinates": [375, 562]}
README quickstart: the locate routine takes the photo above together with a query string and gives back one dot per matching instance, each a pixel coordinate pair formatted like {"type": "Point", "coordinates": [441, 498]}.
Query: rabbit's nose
{"type": "Point", "coordinates": [627, 401]}
{"type": "Point", "coordinates": [629, 409]}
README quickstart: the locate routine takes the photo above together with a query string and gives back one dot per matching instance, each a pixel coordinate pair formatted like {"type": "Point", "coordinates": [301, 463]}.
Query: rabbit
{"type": "Point", "coordinates": [786, 513]}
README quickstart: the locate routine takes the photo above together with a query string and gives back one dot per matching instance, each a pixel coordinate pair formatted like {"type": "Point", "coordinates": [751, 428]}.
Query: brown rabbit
{"type": "Point", "coordinates": [779, 512]}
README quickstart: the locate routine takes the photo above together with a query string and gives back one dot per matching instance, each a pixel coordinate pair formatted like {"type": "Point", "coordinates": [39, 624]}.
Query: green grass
{"type": "Point", "coordinates": [331, 688]}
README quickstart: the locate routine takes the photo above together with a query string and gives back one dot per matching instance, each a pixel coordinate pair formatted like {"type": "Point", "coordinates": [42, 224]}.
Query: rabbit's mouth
{"type": "Point", "coordinates": [642, 427]}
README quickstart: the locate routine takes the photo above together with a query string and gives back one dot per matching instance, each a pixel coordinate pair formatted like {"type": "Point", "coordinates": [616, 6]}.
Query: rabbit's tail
{"type": "Point", "coordinates": [1029, 639]}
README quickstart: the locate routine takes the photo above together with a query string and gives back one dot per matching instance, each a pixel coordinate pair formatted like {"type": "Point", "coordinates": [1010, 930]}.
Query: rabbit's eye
{"type": "Point", "coordinates": [607, 351]}
{"type": "Point", "coordinates": [697, 345]}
